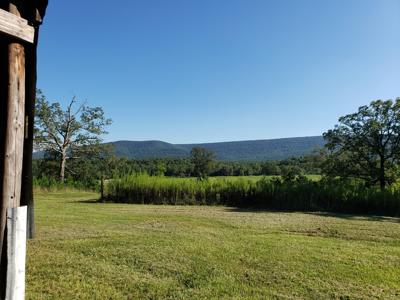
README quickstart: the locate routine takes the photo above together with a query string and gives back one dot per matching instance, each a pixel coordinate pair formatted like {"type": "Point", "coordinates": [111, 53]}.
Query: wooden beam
{"type": "Point", "coordinates": [16, 27]}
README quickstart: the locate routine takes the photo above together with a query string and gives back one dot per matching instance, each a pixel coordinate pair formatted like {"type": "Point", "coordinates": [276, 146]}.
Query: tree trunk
{"type": "Point", "coordinates": [62, 166]}
{"type": "Point", "coordinates": [102, 188]}
{"type": "Point", "coordinates": [382, 177]}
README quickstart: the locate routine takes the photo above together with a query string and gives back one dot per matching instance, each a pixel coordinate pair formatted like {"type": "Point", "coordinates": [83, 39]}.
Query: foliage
{"type": "Point", "coordinates": [289, 173]}
{"type": "Point", "coordinates": [84, 171]}
{"type": "Point", "coordinates": [183, 167]}
{"type": "Point", "coordinates": [297, 193]}
{"type": "Point", "coordinates": [202, 160]}
{"type": "Point", "coordinates": [366, 144]}
{"type": "Point", "coordinates": [68, 134]}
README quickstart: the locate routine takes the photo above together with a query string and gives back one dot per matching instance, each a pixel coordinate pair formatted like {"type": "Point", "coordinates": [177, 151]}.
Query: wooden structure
{"type": "Point", "coordinates": [19, 24]}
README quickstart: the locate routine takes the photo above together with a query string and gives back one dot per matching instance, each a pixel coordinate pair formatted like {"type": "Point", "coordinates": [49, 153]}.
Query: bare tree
{"type": "Point", "coordinates": [70, 132]}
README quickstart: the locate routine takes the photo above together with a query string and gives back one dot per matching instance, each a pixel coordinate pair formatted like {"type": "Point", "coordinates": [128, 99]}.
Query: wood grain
{"type": "Point", "coordinates": [14, 138]}
{"type": "Point", "coordinates": [16, 26]}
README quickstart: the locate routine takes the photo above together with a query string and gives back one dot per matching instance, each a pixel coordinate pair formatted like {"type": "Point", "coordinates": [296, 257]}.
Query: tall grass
{"type": "Point", "coordinates": [301, 194]}
{"type": "Point", "coordinates": [53, 184]}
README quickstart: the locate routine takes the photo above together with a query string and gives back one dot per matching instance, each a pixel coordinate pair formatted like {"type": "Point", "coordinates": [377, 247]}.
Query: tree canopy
{"type": "Point", "coordinates": [202, 160]}
{"type": "Point", "coordinates": [366, 144]}
{"type": "Point", "coordinates": [70, 133]}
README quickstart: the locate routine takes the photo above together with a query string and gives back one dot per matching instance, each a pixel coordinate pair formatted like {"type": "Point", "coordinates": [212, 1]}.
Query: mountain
{"type": "Point", "coordinates": [148, 149]}
{"type": "Point", "coordinates": [275, 149]}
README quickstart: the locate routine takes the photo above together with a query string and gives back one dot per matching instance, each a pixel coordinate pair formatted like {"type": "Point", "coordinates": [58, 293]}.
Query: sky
{"type": "Point", "coordinates": [191, 71]}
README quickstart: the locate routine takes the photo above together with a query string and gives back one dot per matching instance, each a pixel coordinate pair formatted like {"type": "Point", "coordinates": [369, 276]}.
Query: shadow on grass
{"type": "Point", "coordinates": [360, 217]}
{"type": "Point", "coordinates": [355, 217]}
{"type": "Point", "coordinates": [91, 201]}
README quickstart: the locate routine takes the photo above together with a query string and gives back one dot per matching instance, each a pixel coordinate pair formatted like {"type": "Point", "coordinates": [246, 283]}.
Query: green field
{"type": "Point", "coordinates": [87, 250]}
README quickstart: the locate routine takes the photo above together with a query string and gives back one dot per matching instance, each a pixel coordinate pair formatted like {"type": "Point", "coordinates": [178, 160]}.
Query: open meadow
{"type": "Point", "coordinates": [88, 250]}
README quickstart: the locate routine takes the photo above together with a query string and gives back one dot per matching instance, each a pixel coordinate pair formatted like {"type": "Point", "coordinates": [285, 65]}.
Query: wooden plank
{"type": "Point", "coordinates": [15, 26]}
{"type": "Point", "coordinates": [16, 253]}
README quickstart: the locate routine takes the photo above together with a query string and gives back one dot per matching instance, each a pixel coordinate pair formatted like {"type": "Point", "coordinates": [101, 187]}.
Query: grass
{"type": "Point", "coordinates": [289, 194]}
{"type": "Point", "coordinates": [87, 250]}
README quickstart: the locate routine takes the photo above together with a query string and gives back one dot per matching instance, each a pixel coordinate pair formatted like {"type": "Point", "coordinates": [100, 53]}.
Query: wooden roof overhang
{"type": "Point", "coordinates": [22, 26]}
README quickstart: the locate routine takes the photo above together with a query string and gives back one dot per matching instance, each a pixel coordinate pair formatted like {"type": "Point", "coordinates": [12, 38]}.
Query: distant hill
{"type": "Point", "coordinates": [275, 149]}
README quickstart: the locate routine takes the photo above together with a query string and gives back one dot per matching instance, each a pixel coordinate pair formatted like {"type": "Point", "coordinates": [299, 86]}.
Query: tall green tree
{"type": "Point", "coordinates": [202, 160]}
{"type": "Point", "coordinates": [69, 133]}
{"type": "Point", "coordinates": [366, 144]}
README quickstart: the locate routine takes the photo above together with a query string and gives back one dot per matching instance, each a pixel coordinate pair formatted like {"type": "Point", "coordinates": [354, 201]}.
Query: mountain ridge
{"type": "Point", "coordinates": [250, 150]}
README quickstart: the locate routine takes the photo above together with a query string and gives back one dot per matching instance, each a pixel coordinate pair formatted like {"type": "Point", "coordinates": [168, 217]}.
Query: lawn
{"type": "Point", "coordinates": [87, 250]}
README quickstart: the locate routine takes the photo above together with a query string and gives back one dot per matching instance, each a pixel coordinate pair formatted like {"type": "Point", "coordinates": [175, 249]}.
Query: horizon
{"type": "Point", "coordinates": [184, 71]}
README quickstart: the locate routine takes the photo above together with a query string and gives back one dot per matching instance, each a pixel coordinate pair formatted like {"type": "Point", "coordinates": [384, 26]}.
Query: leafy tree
{"type": "Point", "coordinates": [158, 168]}
{"type": "Point", "coordinates": [202, 160]}
{"type": "Point", "coordinates": [70, 133]}
{"type": "Point", "coordinates": [366, 144]}
{"type": "Point", "coordinates": [222, 169]}
{"type": "Point", "coordinates": [270, 168]}
{"type": "Point", "coordinates": [290, 173]}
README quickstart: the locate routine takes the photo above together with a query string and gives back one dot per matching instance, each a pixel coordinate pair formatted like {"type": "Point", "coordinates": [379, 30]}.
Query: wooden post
{"type": "Point", "coordinates": [16, 254]}
{"type": "Point", "coordinates": [3, 119]}
{"type": "Point", "coordinates": [19, 22]}
{"type": "Point", "coordinates": [13, 138]}
{"type": "Point", "coordinates": [15, 128]}
{"type": "Point", "coordinates": [27, 178]}
{"type": "Point", "coordinates": [36, 12]}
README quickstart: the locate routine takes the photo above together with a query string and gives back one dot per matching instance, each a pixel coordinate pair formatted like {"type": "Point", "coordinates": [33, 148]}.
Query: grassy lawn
{"type": "Point", "coordinates": [86, 250]}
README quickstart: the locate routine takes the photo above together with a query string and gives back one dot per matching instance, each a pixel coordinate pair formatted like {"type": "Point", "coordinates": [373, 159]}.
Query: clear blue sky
{"type": "Point", "coordinates": [218, 70]}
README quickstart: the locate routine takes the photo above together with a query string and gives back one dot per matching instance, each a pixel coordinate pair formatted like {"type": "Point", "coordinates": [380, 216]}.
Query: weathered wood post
{"type": "Point", "coordinates": [35, 17]}
{"type": "Point", "coordinates": [3, 111]}
{"type": "Point", "coordinates": [13, 137]}
{"type": "Point", "coordinates": [18, 42]}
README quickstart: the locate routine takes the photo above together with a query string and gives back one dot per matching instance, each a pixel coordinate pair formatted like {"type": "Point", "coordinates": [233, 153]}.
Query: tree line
{"type": "Point", "coordinates": [85, 169]}
{"type": "Point", "coordinates": [363, 146]}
